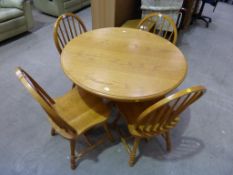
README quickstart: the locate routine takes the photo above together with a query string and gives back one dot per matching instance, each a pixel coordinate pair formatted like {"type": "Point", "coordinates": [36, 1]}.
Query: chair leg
{"type": "Point", "coordinates": [133, 152]}
{"type": "Point", "coordinates": [108, 132]}
{"type": "Point", "coordinates": [72, 154]}
{"type": "Point", "coordinates": [114, 123]}
{"type": "Point", "coordinates": [53, 132]}
{"type": "Point", "coordinates": [168, 141]}
{"type": "Point", "coordinates": [146, 140]}
{"type": "Point", "coordinates": [87, 140]}
{"type": "Point", "coordinates": [73, 85]}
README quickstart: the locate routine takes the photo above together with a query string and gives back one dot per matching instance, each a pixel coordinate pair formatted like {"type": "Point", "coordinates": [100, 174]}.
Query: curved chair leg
{"type": "Point", "coordinates": [133, 152]}
{"type": "Point", "coordinates": [87, 140]}
{"type": "Point", "coordinates": [108, 133]}
{"type": "Point", "coordinates": [114, 123]}
{"type": "Point", "coordinates": [168, 141]}
{"type": "Point", "coordinates": [73, 85]}
{"type": "Point", "coordinates": [146, 140]}
{"type": "Point", "coordinates": [53, 132]}
{"type": "Point", "coordinates": [72, 154]}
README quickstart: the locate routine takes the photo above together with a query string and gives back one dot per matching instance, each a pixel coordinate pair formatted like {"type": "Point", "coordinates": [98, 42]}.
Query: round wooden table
{"type": "Point", "coordinates": [124, 64]}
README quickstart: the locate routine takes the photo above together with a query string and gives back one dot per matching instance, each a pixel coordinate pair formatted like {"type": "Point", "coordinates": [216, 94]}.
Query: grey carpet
{"type": "Point", "coordinates": [202, 142]}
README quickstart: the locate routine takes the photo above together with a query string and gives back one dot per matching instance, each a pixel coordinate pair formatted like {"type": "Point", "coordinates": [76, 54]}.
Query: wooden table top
{"type": "Point", "coordinates": [124, 64]}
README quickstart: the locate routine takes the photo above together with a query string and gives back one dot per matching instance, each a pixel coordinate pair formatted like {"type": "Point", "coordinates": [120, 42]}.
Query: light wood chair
{"type": "Point", "coordinates": [70, 115]}
{"type": "Point", "coordinates": [159, 24]}
{"type": "Point", "coordinates": [146, 120]}
{"type": "Point", "coordinates": [67, 27]}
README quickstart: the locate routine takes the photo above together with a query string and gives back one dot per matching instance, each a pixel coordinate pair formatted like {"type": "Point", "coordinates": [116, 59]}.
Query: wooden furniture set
{"type": "Point", "coordinates": [132, 68]}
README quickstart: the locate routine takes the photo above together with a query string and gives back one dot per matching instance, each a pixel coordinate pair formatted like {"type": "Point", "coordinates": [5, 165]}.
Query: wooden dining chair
{"type": "Point", "coordinates": [146, 120]}
{"type": "Point", "coordinates": [67, 27]}
{"type": "Point", "coordinates": [70, 115]}
{"type": "Point", "coordinates": [159, 24]}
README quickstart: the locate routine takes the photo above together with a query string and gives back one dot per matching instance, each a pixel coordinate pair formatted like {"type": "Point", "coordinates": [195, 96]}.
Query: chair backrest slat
{"type": "Point", "coordinates": [65, 29]}
{"type": "Point", "coordinates": [80, 28]}
{"type": "Point", "coordinates": [74, 25]}
{"type": "Point", "coordinates": [159, 24]}
{"type": "Point", "coordinates": [70, 29]}
{"type": "Point", "coordinates": [166, 31]}
{"type": "Point", "coordinates": [46, 102]}
{"type": "Point", "coordinates": [189, 101]}
{"type": "Point", "coordinates": [61, 41]}
{"type": "Point", "coordinates": [170, 36]}
{"type": "Point", "coordinates": [154, 23]}
{"type": "Point", "coordinates": [172, 109]}
{"type": "Point", "coordinates": [161, 27]}
{"type": "Point", "coordinates": [61, 33]}
{"type": "Point", "coordinates": [163, 115]}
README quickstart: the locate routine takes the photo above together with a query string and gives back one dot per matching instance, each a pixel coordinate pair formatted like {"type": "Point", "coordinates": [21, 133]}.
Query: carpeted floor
{"type": "Point", "coordinates": [202, 142]}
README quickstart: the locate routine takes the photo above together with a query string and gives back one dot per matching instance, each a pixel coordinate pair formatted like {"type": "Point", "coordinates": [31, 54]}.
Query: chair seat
{"type": "Point", "coordinates": [9, 13]}
{"type": "Point", "coordinates": [131, 23]}
{"type": "Point", "coordinates": [81, 109]}
{"type": "Point", "coordinates": [131, 112]}
{"type": "Point", "coordinates": [134, 24]}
